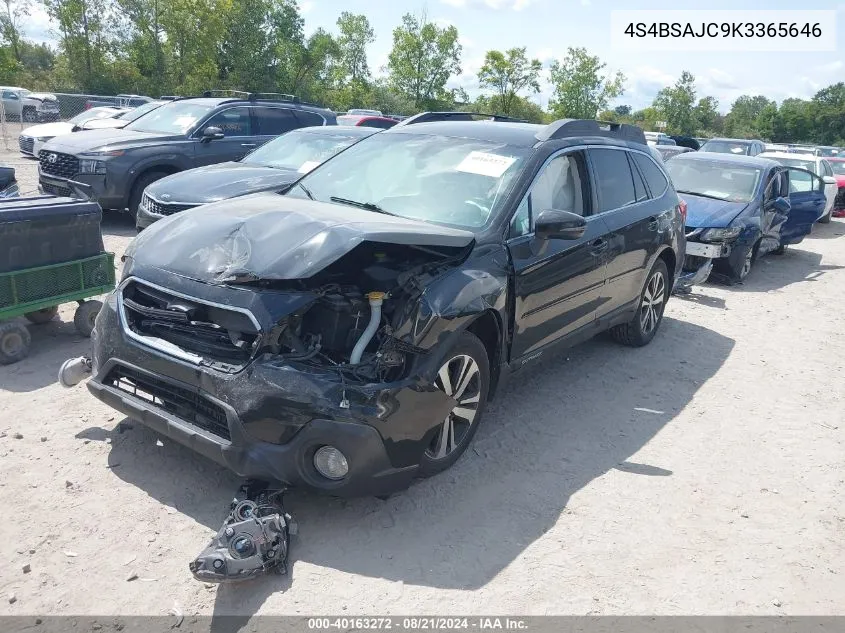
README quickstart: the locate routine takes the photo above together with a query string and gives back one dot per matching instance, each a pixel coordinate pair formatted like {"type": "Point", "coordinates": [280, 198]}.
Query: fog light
{"type": "Point", "coordinates": [331, 463]}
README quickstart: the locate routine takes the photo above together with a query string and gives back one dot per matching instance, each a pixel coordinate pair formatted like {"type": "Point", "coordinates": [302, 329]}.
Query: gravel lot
{"type": "Point", "coordinates": [702, 474]}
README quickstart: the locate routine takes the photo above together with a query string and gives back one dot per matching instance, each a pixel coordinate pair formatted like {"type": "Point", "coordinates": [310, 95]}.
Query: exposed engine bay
{"type": "Point", "coordinates": [344, 319]}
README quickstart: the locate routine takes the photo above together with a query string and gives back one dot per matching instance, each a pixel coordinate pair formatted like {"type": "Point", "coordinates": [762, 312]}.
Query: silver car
{"type": "Point", "coordinates": [23, 105]}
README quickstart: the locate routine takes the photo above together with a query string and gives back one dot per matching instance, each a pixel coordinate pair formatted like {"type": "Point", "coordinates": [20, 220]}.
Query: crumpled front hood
{"type": "Point", "coordinates": [218, 182]}
{"type": "Point", "coordinates": [709, 213]}
{"type": "Point", "coordinates": [273, 237]}
{"type": "Point", "coordinates": [42, 96]}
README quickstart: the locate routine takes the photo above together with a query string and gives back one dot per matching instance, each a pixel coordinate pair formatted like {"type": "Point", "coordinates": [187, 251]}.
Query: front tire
{"type": "Point", "coordinates": [29, 115]}
{"type": "Point", "coordinates": [138, 189]}
{"type": "Point", "coordinates": [641, 329]}
{"type": "Point", "coordinates": [464, 374]}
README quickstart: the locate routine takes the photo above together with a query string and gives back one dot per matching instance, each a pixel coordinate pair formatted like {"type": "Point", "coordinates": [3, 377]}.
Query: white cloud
{"type": "Point", "coordinates": [831, 67]}
{"type": "Point", "coordinates": [38, 27]}
{"type": "Point", "coordinates": [306, 7]}
{"type": "Point", "coordinates": [495, 5]}
{"type": "Point", "coordinates": [586, 3]}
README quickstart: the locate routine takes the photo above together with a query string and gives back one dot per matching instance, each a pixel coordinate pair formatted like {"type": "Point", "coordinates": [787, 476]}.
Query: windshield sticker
{"type": "Point", "coordinates": [307, 166]}
{"type": "Point", "coordinates": [485, 164]}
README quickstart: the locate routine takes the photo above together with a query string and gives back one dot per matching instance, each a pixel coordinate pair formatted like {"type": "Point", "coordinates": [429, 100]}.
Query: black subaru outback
{"type": "Point", "coordinates": [118, 164]}
{"type": "Point", "coordinates": [346, 337]}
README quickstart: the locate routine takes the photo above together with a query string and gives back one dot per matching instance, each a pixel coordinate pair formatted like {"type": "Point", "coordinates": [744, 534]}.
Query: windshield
{"type": "Point", "coordinates": [830, 152]}
{"type": "Point", "coordinates": [300, 151]}
{"type": "Point", "coordinates": [171, 118]}
{"type": "Point", "coordinates": [93, 113]}
{"type": "Point", "coordinates": [137, 113]}
{"type": "Point", "coordinates": [456, 181]}
{"type": "Point", "coordinates": [714, 179]}
{"type": "Point", "coordinates": [838, 167]}
{"type": "Point", "coordinates": [726, 147]}
{"type": "Point", "coordinates": [809, 165]}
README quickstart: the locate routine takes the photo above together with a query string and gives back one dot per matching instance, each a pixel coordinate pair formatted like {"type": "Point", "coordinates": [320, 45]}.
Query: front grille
{"type": "Point", "coordinates": [839, 201]}
{"type": "Point", "coordinates": [57, 164]}
{"type": "Point", "coordinates": [26, 143]}
{"type": "Point", "coordinates": [56, 190]}
{"type": "Point", "coordinates": [212, 332]}
{"type": "Point", "coordinates": [161, 208]}
{"type": "Point", "coordinates": [184, 403]}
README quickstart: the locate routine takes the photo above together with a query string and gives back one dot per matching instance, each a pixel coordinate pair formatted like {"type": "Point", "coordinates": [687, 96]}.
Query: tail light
{"type": "Point", "coordinates": [682, 207]}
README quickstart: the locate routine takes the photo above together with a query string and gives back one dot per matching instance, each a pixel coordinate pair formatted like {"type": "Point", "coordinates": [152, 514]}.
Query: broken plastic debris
{"type": "Point", "coordinates": [159, 443]}
{"type": "Point", "coordinates": [71, 554]}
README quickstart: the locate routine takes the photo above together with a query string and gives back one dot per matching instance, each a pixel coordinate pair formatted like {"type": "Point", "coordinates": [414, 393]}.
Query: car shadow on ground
{"type": "Point", "coordinates": [774, 272]}
{"type": "Point", "coordinates": [548, 434]}
{"type": "Point", "coordinates": [698, 295]}
{"type": "Point", "coordinates": [52, 344]}
{"type": "Point", "coordinates": [835, 228]}
{"type": "Point", "coordinates": [118, 223]}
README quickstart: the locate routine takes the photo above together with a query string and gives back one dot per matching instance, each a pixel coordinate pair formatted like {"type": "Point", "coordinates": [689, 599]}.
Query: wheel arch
{"type": "Point", "coordinates": [487, 326]}
{"type": "Point", "coordinates": [166, 168]}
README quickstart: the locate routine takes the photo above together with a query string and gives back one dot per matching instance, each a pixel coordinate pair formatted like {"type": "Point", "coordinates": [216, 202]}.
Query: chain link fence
{"type": "Point", "coordinates": [17, 115]}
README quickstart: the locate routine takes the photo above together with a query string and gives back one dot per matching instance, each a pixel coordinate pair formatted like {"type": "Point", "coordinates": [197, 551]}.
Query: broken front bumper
{"type": "Point", "coordinates": [698, 263]}
{"type": "Point", "coordinates": [267, 421]}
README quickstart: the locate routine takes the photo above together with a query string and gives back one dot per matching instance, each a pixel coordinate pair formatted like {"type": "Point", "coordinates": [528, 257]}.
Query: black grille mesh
{"type": "Point", "coordinates": [161, 208]}
{"type": "Point", "coordinates": [63, 165]}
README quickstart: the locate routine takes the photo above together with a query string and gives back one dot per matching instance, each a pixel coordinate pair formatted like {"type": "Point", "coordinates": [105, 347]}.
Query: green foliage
{"type": "Point", "coordinates": [507, 74]}
{"type": "Point", "coordinates": [581, 89]}
{"type": "Point", "coordinates": [676, 105]}
{"type": "Point", "coordinates": [423, 58]}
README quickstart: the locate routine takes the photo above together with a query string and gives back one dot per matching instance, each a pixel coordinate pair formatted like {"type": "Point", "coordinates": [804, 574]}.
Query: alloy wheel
{"type": "Point", "coordinates": [460, 378]}
{"type": "Point", "coordinates": [652, 303]}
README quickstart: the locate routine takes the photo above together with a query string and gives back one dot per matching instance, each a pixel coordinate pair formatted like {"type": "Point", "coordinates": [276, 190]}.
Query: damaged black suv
{"type": "Point", "coordinates": [346, 336]}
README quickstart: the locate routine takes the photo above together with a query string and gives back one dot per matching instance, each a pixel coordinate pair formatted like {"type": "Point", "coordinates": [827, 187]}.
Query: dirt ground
{"type": "Point", "coordinates": [702, 474]}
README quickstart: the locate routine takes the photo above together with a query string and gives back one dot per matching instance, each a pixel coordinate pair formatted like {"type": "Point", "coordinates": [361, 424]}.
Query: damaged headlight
{"type": "Point", "coordinates": [728, 234]}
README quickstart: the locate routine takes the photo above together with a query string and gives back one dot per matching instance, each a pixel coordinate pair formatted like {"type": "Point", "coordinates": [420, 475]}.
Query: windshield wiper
{"type": "Point", "coordinates": [306, 190]}
{"type": "Point", "coordinates": [701, 195]}
{"type": "Point", "coordinates": [369, 206]}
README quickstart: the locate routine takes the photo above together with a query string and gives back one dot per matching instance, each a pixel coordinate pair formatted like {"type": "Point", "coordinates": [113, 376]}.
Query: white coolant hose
{"type": "Point", "coordinates": [376, 299]}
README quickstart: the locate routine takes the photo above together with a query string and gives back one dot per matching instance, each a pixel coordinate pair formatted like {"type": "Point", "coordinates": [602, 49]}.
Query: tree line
{"type": "Point", "coordinates": [182, 47]}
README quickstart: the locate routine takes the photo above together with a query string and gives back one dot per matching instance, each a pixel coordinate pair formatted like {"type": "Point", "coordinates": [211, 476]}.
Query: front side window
{"type": "Point", "coordinates": [178, 117]}
{"type": "Point", "coordinates": [521, 222]}
{"type": "Point", "coordinates": [558, 186]}
{"type": "Point", "coordinates": [801, 181]}
{"type": "Point", "coordinates": [232, 121]}
{"type": "Point", "coordinates": [614, 180]}
{"type": "Point", "coordinates": [442, 179]}
{"type": "Point", "coordinates": [714, 179]}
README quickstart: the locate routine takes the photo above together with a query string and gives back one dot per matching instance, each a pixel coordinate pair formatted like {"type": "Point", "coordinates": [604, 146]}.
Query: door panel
{"type": "Point", "coordinates": [771, 221]}
{"type": "Point", "coordinates": [558, 286]}
{"type": "Point", "coordinates": [557, 283]}
{"type": "Point", "coordinates": [237, 142]}
{"type": "Point", "coordinates": [807, 205]}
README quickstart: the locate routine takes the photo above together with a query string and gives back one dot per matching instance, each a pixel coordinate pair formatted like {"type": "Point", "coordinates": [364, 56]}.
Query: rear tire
{"type": "Point", "coordinates": [641, 329]}
{"type": "Point", "coordinates": [780, 250]}
{"type": "Point", "coordinates": [464, 373]}
{"type": "Point", "coordinates": [40, 317]}
{"type": "Point", "coordinates": [138, 189]}
{"type": "Point", "coordinates": [14, 342]}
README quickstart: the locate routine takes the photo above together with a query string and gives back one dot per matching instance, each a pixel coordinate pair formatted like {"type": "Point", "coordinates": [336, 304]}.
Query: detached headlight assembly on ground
{"type": "Point", "coordinates": [91, 166]}
{"type": "Point", "coordinates": [331, 463]}
{"type": "Point", "coordinates": [728, 234]}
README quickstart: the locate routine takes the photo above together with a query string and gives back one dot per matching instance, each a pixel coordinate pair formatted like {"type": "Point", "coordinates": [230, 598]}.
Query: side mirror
{"type": "Point", "coordinates": [781, 205]}
{"type": "Point", "coordinates": [211, 134]}
{"type": "Point", "coordinates": [557, 224]}
{"type": "Point", "coordinates": [829, 180]}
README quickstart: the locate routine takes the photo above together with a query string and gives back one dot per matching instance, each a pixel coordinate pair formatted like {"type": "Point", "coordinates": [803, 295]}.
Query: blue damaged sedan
{"type": "Point", "coordinates": [738, 209]}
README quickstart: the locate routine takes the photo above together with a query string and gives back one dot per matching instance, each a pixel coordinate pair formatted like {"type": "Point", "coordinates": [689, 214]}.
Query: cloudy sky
{"type": "Point", "coordinates": [548, 27]}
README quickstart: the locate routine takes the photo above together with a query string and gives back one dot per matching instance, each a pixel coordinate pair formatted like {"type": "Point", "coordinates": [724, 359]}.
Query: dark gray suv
{"type": "Point", "coordinates": [119, 164]}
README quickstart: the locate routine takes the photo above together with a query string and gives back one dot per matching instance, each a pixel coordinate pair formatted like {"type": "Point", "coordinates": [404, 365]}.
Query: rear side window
{"type": "Point", "coordinates": [614, 180]}
{"type": "Point", "coordinates": [233, 122]}
{"type": "Point", "coordinates": [639, 184]}
{"type": "Point", "coordinates": [309, 118]}
{"type": "Point", "coordinates": [654, 177]}
{"type": "Point", "coordinates": [274, 121]}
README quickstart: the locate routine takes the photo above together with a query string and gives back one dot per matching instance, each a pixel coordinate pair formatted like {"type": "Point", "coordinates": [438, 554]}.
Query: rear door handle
{"type": "Point", "coordinates": [597, 247]}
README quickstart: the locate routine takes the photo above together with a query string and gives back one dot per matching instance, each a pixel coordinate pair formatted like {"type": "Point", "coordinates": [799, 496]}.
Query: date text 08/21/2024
{"type": "Point", "coordinates": [417, 623]}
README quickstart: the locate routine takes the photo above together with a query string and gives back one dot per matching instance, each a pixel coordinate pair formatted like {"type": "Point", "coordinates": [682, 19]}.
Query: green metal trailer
{"type": "Point", "coordinates": [37, 293]}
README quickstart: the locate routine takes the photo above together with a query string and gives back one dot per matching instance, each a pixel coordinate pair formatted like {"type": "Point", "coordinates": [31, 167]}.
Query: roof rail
{"type": "Point", "coordinates": [428, 117]}
{"type": "Point", "coordinates": [237, 94]}
{"type": "Point", "coordinates": [272, 96]}
{"type": "Point", "coordinates": [566, 128]}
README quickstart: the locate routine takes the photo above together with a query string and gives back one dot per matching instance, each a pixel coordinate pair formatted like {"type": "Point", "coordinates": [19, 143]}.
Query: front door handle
{"type": "Point", "coordinates": [599, 246]}
{"type": "Point", "coordinates": [247, 144]}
